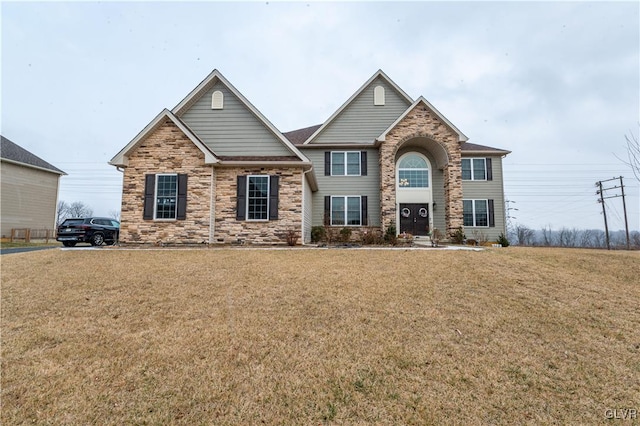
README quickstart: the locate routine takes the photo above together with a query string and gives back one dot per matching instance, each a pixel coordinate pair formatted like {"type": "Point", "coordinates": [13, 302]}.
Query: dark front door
{"type": "Point", "coordinates": [414, 219]}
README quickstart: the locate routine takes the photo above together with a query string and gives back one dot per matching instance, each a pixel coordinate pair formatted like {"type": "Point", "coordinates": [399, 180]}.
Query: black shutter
{"type": "Point", "coordinates": [273, 197]}
{"type": "Point", "coordinates": [489, 169]}
{"type": "Point", "coordinates": [364, 210]}
{"type": "Point", "coordinates": [149, 195]}
{"type": "Point", "coordinates": [363, 163]}
{"type": "Point", "coordinates": [492, 217]}
{"type": "Point", "coordinates": [327, 210]}
{"type": "Point", "coordinates": [241, 195]}
{"type": "Point", "coordinates": [182, 197]}
{"type": "Point", "coordinates": [327, 163]}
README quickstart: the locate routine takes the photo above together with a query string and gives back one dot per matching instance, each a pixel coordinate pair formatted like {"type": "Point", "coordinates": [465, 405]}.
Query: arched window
{"type": "Point", "coordinates": [413, 172]}
{"type": "Point", "coordinates": [217, 100]}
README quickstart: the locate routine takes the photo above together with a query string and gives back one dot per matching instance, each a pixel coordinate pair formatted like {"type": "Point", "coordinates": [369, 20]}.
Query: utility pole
{"type": "Point", "coordinates": [604, 213]}
{"type": "Point", "coordinates": [508, 216]}
{"type": "Point", "coordinates": [624, 207]}
{"type": "Point", "coordinates": [601, 192]}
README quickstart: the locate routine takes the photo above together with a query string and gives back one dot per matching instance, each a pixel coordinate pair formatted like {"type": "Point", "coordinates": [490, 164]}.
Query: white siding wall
{"type": "Point", "coordinates": [28, 198]}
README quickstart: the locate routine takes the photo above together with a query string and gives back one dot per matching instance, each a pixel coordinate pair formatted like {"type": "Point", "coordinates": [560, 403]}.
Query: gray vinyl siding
{"type": "Point", "coordinates": [361, 121]}
{"type": "Point", "coordinates": [233, 130]}
{"type": "Point", "coordinates": [29, 198]}
{"type": "Point", "coordinates": [346, 185]}
{"type": "Point", "coordinates": [307, 212]}
{"type": "Point", "coordinates": [487, 190]}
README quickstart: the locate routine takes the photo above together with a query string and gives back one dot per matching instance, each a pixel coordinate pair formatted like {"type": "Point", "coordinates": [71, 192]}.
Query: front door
{"type": "Point", "coordinates": [414, 219]}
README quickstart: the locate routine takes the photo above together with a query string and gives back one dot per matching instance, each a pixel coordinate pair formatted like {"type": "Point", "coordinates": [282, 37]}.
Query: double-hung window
{"type": "Point", "coordinates": [345, 163]}
{"type": "Point", "coordinates": [477, 213]}
{"type": "Point", "coordinates": [165, 197]}
{"type": "Point", "coordinates": [346, 211]}
{"type": "Point", "coordinates": [257, 197]}
{"type": "Point", "coordinates": [476, 169]}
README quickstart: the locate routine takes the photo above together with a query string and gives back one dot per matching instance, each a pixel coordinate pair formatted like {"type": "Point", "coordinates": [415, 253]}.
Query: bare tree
{"type": "Point", "coordinates": [633, 154]}
{"type": "Point", "coordinates": [547, 236]}
{"type": "Point", "coordinates": [80, 209]}
{"type": "Point", "coordinates": [524, 235]}
{"type": "Point", "coordinates": [114, 214]}
{"type": "Point", "coordinates": [62, 212]}
{"type": "Point", "coordinates": [587, 238]}
{"type": "Point", "coordinates": [75, 209]}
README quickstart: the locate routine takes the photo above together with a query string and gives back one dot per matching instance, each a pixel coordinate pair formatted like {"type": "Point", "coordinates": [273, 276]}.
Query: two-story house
{"type": "Point", "coordinates": [214, 169]}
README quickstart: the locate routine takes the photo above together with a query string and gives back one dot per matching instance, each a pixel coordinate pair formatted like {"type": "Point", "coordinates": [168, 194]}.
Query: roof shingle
{"type": "Point", "coordinates": [13, 152]}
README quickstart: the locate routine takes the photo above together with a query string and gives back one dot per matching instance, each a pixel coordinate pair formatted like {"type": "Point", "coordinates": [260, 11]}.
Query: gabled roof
{"type": "Point", "coordinates": [380, 74]}
{"type": "Point", "coordinates": [421, 99]}
{"type": "Point", "coordinates": [211, 80]}
{"type": "Point", "coordinates": [121, 158]}
{"type": "Point", "coordinates": [14, 153]}
{"type": "Point", "coordinates": [472, 148]}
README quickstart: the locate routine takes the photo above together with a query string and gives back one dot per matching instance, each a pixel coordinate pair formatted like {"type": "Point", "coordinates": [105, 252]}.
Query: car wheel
{"type": "Point", "coordinates": [69, 243]}
{"type": "Point", "coordinates": [97, 239]}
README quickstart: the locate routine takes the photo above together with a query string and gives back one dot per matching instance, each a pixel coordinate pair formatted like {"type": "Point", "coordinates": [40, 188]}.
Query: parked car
{"type": "Point", "coordinates": [93, 230]}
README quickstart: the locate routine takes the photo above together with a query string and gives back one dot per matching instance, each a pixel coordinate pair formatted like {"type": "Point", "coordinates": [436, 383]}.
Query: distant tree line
{"type": "Point", "coordinates": [522, 235]}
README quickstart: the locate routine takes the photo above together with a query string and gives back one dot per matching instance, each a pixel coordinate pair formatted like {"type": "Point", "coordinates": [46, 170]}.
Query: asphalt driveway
{"type": "Point", "coordinates": [11, 250]}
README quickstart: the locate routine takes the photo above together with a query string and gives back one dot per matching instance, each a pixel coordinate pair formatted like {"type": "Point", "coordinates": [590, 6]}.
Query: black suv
{"type": "Point", "coordinates": [94, 230]}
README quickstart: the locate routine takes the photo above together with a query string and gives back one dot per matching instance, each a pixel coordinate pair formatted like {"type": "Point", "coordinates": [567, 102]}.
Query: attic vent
{"type": "Point", "coordinates": [378, 95]}
{"type": "Point", "coordinates": [217, 100]}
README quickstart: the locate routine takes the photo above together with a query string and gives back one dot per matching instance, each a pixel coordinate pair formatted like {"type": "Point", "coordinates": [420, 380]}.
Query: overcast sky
{"type": "Point", "coordinates": [555, 83]}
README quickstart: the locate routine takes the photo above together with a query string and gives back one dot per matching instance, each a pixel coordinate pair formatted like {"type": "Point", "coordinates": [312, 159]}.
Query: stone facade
{"type": "Point", "coordinates": [229, 230]}
{"type": "Point", "coordinates": [166, 150]}
{"type": "Point", "coordinates": [421, 122]}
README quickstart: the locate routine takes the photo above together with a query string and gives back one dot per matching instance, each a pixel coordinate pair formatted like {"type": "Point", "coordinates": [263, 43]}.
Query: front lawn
{"type": "Point", "coordinates": [241, 336]}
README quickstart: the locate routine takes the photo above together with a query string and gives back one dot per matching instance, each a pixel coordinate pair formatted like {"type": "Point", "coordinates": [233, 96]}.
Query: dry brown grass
{"type": "Point", "coordinates": [319, 336]}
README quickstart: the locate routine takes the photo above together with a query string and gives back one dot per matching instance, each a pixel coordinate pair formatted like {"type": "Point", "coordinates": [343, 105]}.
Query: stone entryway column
{"type": "Point", "coordinates": [422, 123]}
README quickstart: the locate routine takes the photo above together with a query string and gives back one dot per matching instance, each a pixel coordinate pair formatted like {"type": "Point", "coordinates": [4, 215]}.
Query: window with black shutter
{"type": "Point", "coordinates": [257, 197]}
{"type": "Point", "coordinates": [165, 197]}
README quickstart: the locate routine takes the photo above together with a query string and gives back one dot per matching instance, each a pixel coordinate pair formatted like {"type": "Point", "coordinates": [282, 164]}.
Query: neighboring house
{"type": "Point", "coordinates": [29, 190]}
{"type": "Point", "coordinates": [214, 169]}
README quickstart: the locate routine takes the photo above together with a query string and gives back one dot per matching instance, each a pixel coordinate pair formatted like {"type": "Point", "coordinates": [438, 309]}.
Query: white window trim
{"type": "Point", "coordinates": [346, 208]}
{"type": "Point", "coordinates": [473, 210]}
{"type": "Point", "coordinates": [345, 153]}
{"type": "Point", "coordinates": [247, 198]}
{"type": "Point", "coordinates": [484, 160]}
{"type": "Point", "coordinates": [155, 199]}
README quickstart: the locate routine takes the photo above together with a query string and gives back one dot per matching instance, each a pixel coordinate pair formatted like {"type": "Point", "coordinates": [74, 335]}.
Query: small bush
{"type": "Point", "coordinates": [292, 237]}
{"type": "Point", "coordinates": [371, 236]}
{"type": "Point", "coordinates": [390, 236]}
{"type": "Point", "coordinates": [345, 235]}
{"type": "Point", "coordinates": [317, 234]}
{"type": "Point", "coordinates": [502, 239]}
{"type": "Point", "coordinates": [458, 236]}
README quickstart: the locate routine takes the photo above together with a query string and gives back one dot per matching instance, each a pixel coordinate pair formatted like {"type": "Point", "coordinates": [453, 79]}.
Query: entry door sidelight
{"type": "Point", "coordinates": [414, 219]}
